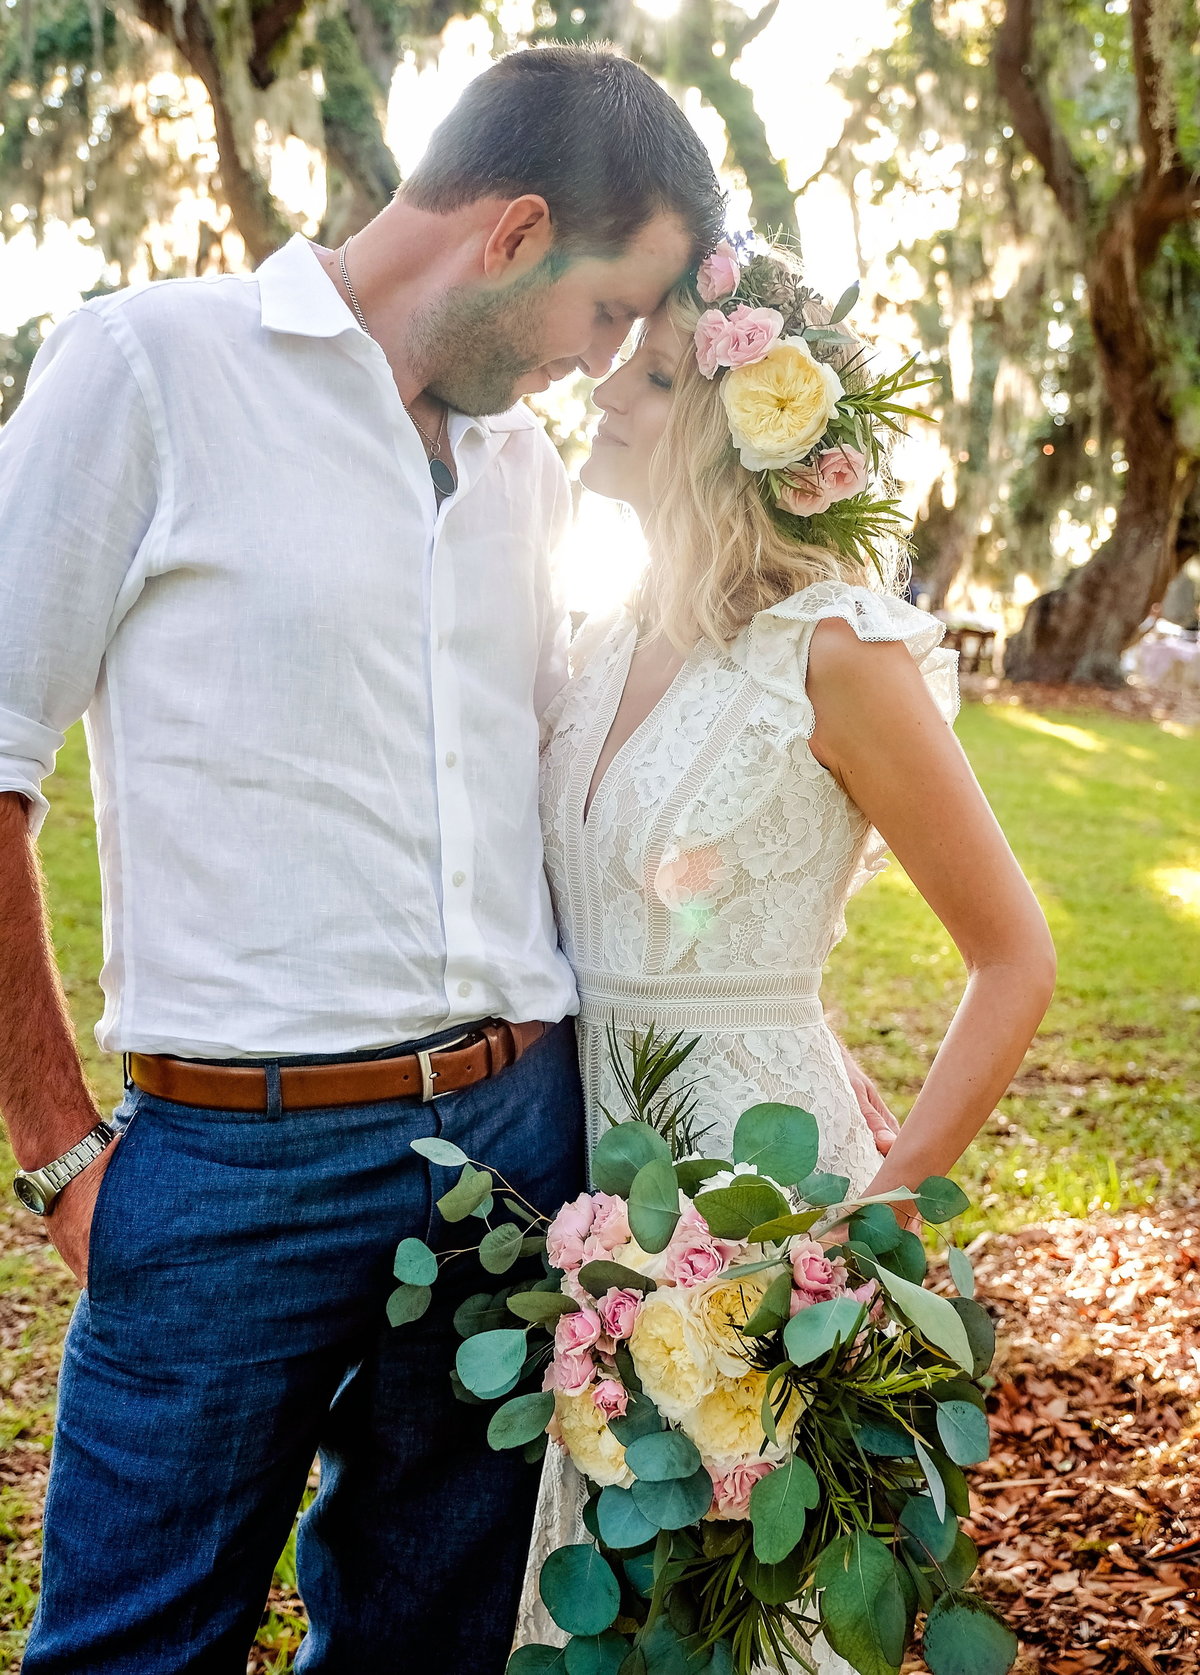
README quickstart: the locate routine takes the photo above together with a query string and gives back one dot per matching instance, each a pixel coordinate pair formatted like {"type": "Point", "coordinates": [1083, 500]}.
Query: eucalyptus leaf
{"type": "Point", "coordinates": [810, 1335]}
{"type": "Point", "coordinates": [779, 1506]}
{"type": "Point", "coordinates": [639, 1573]}
{"type": "Point", "coordinates": [876, 1227]}
{"type": "Point", "coordinates": [622, 1151]}
{"type": "Point", "coordinates": [641, 1418]}
{"type": "Point", "coordinates": [484, 1209]}
{"type": "Point", "coordinates": [934, 1317]}
{"type": "Point", "coordinates": [534, 1452]}
{"type": "Point", "coordinates": [933, 1477]}
{"type": "Point", "coordinates": [537, 1660]}
{"type": "Point", "coordinates": [890, 1441]}
{"type": "Point", "coordinates": [481, 1312]}
{"type": "Point", "coordinates": [661, 1456]}
{"type": "Point", "coordinates": [690, 1172]}
{"type": "Point", "coordinates": [844, 304]}
{"type": "Point", "coordinates": [619, 1520]}
{"type": "Point", "coordinates": [733, 1212]}
{"type": "Point", "coordinates": [520, 1421]}
{"type": "Point", "coordinates": [674, 1504]}
{"type": "Point", "coordinates": [934, 1533]}
{"type": "Point", "coordinates": [981, 1333]}
{"type": "Point", "coordinates": [541, 1307]}
{"type": "Point", "coordinates": [772, 1312]}
{"type": "Point", "coordinates": [959, 1390]}
{"type": "Point", "coordinates": [490, 1363]}
{"type": "Point", "coordinates": [415, 1263]}
{"type": "Point", "coordinates": [654, 1205]}
{"type": "Point", "coordinates": [961, 1271]}
{"type": "Point", "coordinates": [442, 1152]}
{"type": "Point", "coordinates": [601, 1276]}
{"type": "Point", "coordinates": [408, 1303]}
{"type": "Point", "coordinates": [963, 1430]}
{"type": "Point", "coordinates": [579, 1590]}
{"type": "Point", "coordinates": [781, 1141]}
{"type": "Point", "coordinates": [773, 1584]}
{"type": "Point", "coordinates": [907, 1258]}
{"type": "Point", "coordinates": [596, 1654]}
{"type": "Point", "coordinates": [938, 1199]}
{"type": "Point", "coordinates": [957, 1570]}
{"type": "Point", "coordinates": [958, 1490]}
{"type": "Point", "coordinates": [783, 1227]}
{"type": "Point", "coordinates": [501, 1247]}
{"type": "Point", "coordinates": [820, 1188]}
{"type": "Point", "coordinates": [863, 1608]}
{"type": "Point", "coordinates": [964, 1637]}
{"type": "Point", "coordinates": [467, 1194]}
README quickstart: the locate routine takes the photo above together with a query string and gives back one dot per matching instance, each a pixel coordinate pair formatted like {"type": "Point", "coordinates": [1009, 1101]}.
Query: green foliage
{"type": "Point", "coordinates": [780, 1141]}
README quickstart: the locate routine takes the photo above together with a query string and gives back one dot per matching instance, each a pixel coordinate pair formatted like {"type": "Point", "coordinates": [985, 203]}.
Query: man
{"type": "Point", "coordinates": [286, 540]}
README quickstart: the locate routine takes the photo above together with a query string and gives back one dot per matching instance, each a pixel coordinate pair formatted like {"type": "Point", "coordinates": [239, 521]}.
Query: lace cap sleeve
{"type": "Point", "coordinates": [774, 647]}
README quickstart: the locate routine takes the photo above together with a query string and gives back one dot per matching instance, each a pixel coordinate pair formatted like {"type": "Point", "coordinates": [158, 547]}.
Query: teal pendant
{"type": "Point", "coordinates": [443, 477]}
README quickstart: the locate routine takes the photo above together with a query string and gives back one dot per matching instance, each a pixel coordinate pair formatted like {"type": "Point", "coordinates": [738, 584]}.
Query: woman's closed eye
{"type": "Point", "coordinates": [658, 380]}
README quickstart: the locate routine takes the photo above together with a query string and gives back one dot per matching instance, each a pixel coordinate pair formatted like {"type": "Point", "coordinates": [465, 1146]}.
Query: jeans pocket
{"type": "Point", "coordinates": [119, 1162]}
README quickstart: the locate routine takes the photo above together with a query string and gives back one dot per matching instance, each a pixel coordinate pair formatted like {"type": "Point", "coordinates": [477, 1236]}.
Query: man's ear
{"type": "Point", "coordinates": [519, 241]}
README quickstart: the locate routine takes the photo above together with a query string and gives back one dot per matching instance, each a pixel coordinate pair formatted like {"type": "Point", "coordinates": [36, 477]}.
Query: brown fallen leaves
{"type": "Point", "coordinates": [1087, 1514]}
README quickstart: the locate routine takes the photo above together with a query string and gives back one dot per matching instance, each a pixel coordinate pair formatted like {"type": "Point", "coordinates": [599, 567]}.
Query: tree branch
{"type": "Point", "coordinates": [1160, 150]}
{"type": "Point", "coordinates": [1031, 113]}
{"type": "Point", "coordinates": [739, 37]}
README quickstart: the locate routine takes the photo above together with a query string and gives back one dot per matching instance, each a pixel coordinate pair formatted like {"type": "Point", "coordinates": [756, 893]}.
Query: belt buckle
{"type": "Point", "coordinates": [428, 1074]}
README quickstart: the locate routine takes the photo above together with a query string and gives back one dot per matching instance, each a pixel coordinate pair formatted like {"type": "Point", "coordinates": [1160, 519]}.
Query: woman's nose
{"type": "Point", "coordinates": [607, 396]}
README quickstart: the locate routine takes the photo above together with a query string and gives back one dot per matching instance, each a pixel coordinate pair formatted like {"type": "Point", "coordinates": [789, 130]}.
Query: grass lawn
{"type": "Point", "coordinates": [1105, 816]}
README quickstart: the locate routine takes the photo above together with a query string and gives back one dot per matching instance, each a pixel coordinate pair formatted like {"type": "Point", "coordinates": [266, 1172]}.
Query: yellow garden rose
{"type": "Point", "coordinates": [780, 407]}
{"type": "Point", "coordinates": [668, 1354]}
{"type": "Point", "coordinates": [726, 1425]}
{"type": "Point", "coordinates": [590, 1443]}
{"type": "Point", "coordinates": [718, 1310]}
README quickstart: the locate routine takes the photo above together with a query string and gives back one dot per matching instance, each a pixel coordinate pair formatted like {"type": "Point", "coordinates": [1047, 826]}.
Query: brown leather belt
{"type": "Point", "coordinates": [483, 1051]}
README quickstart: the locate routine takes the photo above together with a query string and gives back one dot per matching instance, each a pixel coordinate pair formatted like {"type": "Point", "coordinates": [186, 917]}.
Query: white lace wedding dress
{"type": "Point", "coordinates": [705, 889]}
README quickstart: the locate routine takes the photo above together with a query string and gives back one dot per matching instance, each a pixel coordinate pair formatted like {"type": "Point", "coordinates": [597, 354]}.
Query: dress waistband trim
{"type": "Point", "coordinates": [699, 1000]}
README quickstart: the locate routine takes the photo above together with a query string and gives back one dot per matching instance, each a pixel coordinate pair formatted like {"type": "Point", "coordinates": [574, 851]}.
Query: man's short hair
{"type": "Point", "coordinates": [585, 129]}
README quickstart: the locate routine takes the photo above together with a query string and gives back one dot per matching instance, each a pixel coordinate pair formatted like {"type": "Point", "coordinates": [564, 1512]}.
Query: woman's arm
{"type": "Point", "coordinates": [880, 735]}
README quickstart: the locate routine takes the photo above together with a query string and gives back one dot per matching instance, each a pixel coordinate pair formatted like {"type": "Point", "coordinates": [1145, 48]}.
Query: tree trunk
{"type": "Point", "coordinates": [943, 538]}
{"type": "Point", "coordinates": [361, 171]}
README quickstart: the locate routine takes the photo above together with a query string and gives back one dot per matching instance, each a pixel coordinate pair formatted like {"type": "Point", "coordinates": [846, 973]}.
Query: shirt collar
{"type": "Point", "coordinates": [297, 296]}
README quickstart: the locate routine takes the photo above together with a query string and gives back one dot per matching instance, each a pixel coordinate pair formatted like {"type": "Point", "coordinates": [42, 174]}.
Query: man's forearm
{"type": "Point", "coordinates": [43, 1094]}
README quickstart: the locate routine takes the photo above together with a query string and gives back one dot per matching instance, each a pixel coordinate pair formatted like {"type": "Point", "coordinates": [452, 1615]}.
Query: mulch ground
{"type": "Point", "coordinates": [1087, 1514]}
{"type": "Point", "coordinates": [1128, 703]}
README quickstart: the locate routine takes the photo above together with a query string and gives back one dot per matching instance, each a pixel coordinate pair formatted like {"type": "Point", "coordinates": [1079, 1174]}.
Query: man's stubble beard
{"type": "Point", "coordinates": [478, 347]}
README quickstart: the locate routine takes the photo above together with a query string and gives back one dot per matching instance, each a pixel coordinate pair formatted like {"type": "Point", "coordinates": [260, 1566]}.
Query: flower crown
{"type": "Point", "coordinates": [813, 431]}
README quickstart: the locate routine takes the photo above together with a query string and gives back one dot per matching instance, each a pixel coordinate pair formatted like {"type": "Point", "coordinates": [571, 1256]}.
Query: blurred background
{"type": "Point", "coordinates": [1015, 185]}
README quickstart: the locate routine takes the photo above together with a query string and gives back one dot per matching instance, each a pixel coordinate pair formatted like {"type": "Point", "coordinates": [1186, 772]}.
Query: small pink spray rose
{"type": "Point", "coordinates": [618, 1310]}
{"type": "Point", "coordinates": [736, 339]}
{"type": "Point", "coordinates": [731, 1489]}
{"type": "Point", "coordinates": [575, 1331]}
{"type": "Point", "coordinates": [719, 274]}
{"type": "Point", "coordinates": [568, 1230]}
{"type": "Point", "coordinates": [611, 1397]}
{"type": "Point", "coordinates": [844, 471]}
{"type": "Point", "coordinates": [571, 1372]}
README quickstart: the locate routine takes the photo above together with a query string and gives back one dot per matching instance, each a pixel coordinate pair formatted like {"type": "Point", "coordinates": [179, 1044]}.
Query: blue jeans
{"type": "Point", "coordinates": [233, 1328]}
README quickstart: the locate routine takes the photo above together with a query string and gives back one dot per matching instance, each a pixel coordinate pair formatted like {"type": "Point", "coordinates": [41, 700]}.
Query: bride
{"type": "Point", "coordinates": [732, 755]}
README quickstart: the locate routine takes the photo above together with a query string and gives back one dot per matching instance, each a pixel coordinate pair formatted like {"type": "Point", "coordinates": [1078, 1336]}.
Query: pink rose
{"type": "Point", "coordinates": [610, 1227]}
{"type": "Point", "coordinates": [576, 1331]}
{"type": "Point", "coordinates": [692, 1260]}
{"type": "Point", "coordinates": [571, 1372]}
{"type": "Point", "coordinates": [815, 1275]}
{"type": "Point", "coordinates": [568, 1230]}
{"type": "Point", "coordinates": [731, 1489]}
{"type": "Point", "coordinates": [611, 1397]}
{"type": "Point", "coordinates": [844, 471]}
{"type": "Point", "coordinates": [804, 494]}
{"type": "Point", "coordinates": [719, 274]}
{"type": "Point", "coordinates": [736, 339]}
{"type": "Point", "coordinates": [869, 1292]}
{"type": "Point", "coordinates": [618, 1311]}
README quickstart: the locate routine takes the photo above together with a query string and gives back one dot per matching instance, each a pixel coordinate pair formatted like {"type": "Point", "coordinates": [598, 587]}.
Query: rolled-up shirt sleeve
{"type": "Point", "coordinates": [79, 487]}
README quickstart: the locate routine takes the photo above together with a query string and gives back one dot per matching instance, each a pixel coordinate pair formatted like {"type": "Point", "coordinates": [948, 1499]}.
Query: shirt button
{"type": "Point", "coordinates": [464, 988]}
{"type": "Point", "coordinates": [451, 758]}
{"type": "Point", "coordinates": [459, 878]}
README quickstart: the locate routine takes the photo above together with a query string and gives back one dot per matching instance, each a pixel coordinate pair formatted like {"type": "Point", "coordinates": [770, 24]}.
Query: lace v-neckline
{"type": "Point", "coordinates": [606, 715]}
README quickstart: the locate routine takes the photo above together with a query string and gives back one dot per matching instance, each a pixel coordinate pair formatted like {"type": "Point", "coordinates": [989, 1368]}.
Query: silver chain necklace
{"type": "Point", "coordinates": [439, 471]}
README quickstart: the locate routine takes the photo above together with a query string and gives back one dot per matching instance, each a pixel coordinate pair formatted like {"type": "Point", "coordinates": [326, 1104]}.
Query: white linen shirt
{"type": "Point", "coordinates": [311, 695]}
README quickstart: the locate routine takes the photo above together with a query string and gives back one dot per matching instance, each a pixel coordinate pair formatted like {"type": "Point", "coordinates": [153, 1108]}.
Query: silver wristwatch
{"type": "Point", "coordinates": [38, 1189]}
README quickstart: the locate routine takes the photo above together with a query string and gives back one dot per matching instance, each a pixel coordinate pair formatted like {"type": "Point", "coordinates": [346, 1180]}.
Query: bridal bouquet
{"type": "Point", "coordinates": [770, 1410]}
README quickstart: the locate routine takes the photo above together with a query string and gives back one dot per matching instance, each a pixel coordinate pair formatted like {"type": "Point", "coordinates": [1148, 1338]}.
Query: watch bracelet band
{"type": "Point", "coordinates": [61, 1171]}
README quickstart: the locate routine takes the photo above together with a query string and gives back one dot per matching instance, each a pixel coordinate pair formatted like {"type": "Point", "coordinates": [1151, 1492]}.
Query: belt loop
{"type": "Point", "coordinates": [274, 1090]}
{"type": "Point", "coordinates": [126, 1072]}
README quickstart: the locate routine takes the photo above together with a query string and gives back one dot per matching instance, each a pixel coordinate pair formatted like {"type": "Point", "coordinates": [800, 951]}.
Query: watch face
{"type": "Point", "coordinates": [30, 1194]}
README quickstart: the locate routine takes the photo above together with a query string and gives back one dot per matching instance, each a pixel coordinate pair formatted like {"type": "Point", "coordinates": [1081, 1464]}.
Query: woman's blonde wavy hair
{"type": "Point", "coordinates": [719, 556]}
